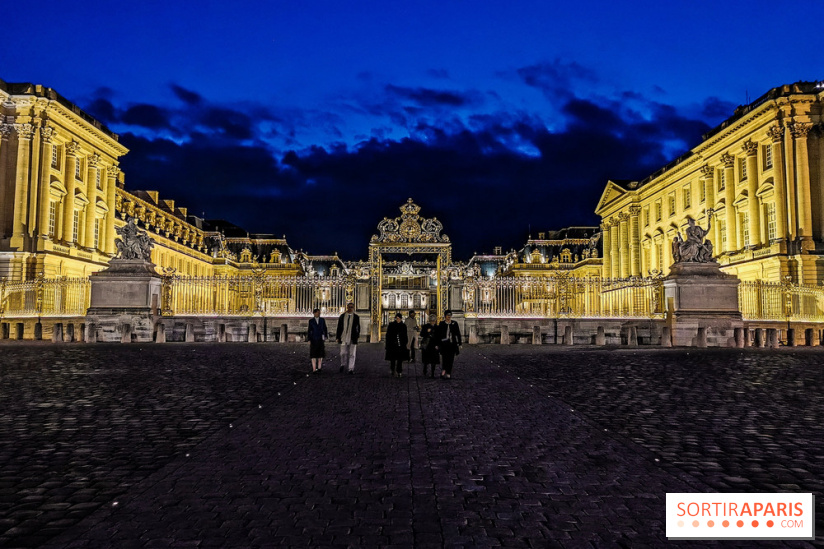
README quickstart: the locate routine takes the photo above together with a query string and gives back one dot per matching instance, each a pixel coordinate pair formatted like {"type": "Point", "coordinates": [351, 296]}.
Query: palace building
{"type": "Point", "coordinates": [758, 179]}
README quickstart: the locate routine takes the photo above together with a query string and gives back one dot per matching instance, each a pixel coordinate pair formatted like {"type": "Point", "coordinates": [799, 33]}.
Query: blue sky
{"type": "Point", "coordinates": [317, 119]}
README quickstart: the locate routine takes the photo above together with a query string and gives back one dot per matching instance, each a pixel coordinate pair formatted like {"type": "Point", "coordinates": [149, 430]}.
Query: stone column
{"type": "Point", "coordinates": [111, 184]}
{"type": "Point", "coordinates": [6, 206]}
{"type": "Point", "coordinates": [614, 250]}
{"type": "Point", "coordinates": [623, 235]}
{"type": "Point", "coordinates": [707, 173]}
{"type": "Point", "coordinates": [91, 193]}
{"type": "Point", "coordinates": [634, 241]}
{"type": "Point", "coordinates": [754, 212]}
{"type": "Point", "coordinates": [606, 271]}
{"type": "Point", "coordinates": [728, 162]}
{"type": "Point", "coordinates": [668, 259]}
{"type": "Point", "coordinates": [68, 201]}
{"type": "Point", "coordinates": [799, 131]}
{"type": "Point", "coordinates": [21, 185]}
{"type": "Point", "coordinates": [776, 134]}
{"type": "Point", "coordinates": [46, 133]}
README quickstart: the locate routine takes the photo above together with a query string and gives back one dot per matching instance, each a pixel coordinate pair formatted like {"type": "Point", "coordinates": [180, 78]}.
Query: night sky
{"type": "Point", "coordinates": [316, 119]}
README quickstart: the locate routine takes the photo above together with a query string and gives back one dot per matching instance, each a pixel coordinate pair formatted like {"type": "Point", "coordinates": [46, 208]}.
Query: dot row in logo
{"type": "Point", "coordinates": [726, 523]}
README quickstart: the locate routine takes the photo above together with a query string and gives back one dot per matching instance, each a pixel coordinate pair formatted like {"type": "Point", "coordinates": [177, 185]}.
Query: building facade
{"type": "Point", "coordinates": [756, 179]}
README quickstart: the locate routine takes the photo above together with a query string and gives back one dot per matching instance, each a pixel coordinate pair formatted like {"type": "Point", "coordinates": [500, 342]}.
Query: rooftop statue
{"type": "Point", "coordinates": [133, 243]}
{"type": "Point", "coordinates": [696, 248]}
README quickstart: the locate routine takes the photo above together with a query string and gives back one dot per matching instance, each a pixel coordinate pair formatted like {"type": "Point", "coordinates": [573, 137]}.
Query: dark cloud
{"type": "Point", "coordinates": [187, 96]}
{"type": "Point", "coordinates": [433, 98]}
{"type": "Point", "coordinates": [147, 116]}
{"type": "Point", "coordinates": [716, 109]}
{"type": "Point", "coordinates": [486, 174]}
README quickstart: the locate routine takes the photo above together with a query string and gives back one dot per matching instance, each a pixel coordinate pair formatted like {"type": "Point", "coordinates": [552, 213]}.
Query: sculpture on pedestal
{"type": "Point", "coordinates": [133, 243]}
{"type": "Point", "coordinates": [696, 248]}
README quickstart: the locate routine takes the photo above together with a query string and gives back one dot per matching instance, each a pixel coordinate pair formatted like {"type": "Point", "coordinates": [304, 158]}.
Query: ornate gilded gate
{"type": "Point", "coordinates": [408, 234]}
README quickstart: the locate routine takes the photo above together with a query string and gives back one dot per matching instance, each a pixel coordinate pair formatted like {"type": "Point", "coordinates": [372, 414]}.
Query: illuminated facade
{"type": "Point", "coordinates": [760, 173]}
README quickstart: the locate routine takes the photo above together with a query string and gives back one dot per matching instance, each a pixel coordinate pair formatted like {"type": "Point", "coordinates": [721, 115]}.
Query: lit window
{"type": "Point", "coordinates": [768, 157]}
{"type": "Point", "coordinates": [745, 228]}
{"type": "Point", "coordinates": [75, 225]}
{"type": "Point", "coordinates": [52, 217]}
{"type": "Point", "coordinates": [722, 180]}
{"type": "Point", "coordinates": [722, 230]}
{"type": "Point", "coordinates": [687, 197]}
{"type": "Point", "coordinates": [743, 169]}
{"type": "Point", "coordinates": [702, 192]}
{"type": "Point", "coordinates": [55, 156]}
{"type": "Point", "coordinates": [771, 225]}
{"type": "Point", "coordinates": [77, 169]}
{"type": "Point", "coordinates": [646, 216]}
{"type": "Point", "coordinates": [96, 233]}
{"type": "Point", "coordinates": [658, 210]}
{"type": "Point", "coordinates": [671, 202]}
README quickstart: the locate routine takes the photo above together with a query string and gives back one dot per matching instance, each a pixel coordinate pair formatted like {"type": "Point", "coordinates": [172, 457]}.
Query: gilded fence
{"type": "Point", "coordinates": [257, 294]}
{"type": "Point", "coordinates": [781, 301]}
{"type": "Point", "coordinates": [565, 296]}
{"type": "Point", "coordinates": [44, 297]}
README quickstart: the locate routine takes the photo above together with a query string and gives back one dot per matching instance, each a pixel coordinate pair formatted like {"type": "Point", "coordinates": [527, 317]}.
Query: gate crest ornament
{"type": "Point", "coordinates": [410, 227]}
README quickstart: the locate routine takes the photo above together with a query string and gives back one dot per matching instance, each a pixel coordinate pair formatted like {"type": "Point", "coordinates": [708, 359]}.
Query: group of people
{"type": "Point", "coordinates": [438, 343]}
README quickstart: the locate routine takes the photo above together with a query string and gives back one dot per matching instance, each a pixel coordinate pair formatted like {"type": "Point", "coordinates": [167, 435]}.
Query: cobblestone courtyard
{"type": "Point", "coordinates": [234, 445]}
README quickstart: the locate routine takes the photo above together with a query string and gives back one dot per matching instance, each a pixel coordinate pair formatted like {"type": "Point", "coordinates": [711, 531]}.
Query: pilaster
{"type": "Point", "coordinates": [635, 241]}
{"type": "Point", "coordinates": [776, 135]}
{"type": "Point", "coordinates": [46, 133]}
{"type": "Point", "coordinates": [21, 183]}
{"type": "Point", "coordinates": [111, 184]}
{"type": "Point", "coordinates": [71, 184]}
{"type": "Point", "coordinates": [615, 251]}
{"type": "Point", "coordinates": [91, 193]}
{"type": "Point", "coordinates": [728, 164]}
{"type": "Point", "coordinates": [606, 269]}
{"type": "Point", "coordinates": [799, 132]}
{"type": "Point", "coordinates": [750, 149]}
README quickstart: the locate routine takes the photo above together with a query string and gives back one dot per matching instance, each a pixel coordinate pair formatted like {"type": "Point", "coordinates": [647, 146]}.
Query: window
{"type": "Point", "coordinates": [416, 301]}
{"type": "Point", "coordinates": [392, 301]}
{"type": "Point", "coordinates": [767, 155]}
{"type": "Point", "coordinates": [687, 197]}
{"type": "Point", "coordinates": [702, 192]}
{"type": "Point", "coordinates": [75, 225]}
{"type": "Point", "coordinates": [771, 225]}
{"type": "Point", "coordinates": [96, 233]}
{"type": "Point", "coordinates": [743, 169]}
{"type": "Point", "coordinates": [52, 217]}
{"type": "Point", "coordinates": [745, 228]}
{"type": "Point", "coordinates": [722, 230]}
{"type": "Point", "coordinates": [97, 178]}
{"type": "Point", "coordinates": [646, 216]}
{"type": "Point", "coordinates": [722, 180]}
{"type": "Point", "coordinates": [497, 250]}
{"type": "Point", "coordinates": [659, 252]}
{"type": "Point", "coordinates": [658, 210]}
{"type": "Point", "coordinates": [671, 202]}
{"type": "Point", "coordinates": [55, 156]}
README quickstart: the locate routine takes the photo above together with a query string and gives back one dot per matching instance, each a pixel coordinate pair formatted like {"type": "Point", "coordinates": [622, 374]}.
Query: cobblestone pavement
{"type": "Point", "coordinates": [233, 445]}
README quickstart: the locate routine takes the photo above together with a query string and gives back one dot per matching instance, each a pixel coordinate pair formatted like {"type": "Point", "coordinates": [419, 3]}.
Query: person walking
{"type": "Point", "coordinates": [347, 334]}
{"type": "Point", "coordinates": [316, 335]}
{"type": "Point", "coordinates": [429, 354]}
{"type": "Point", "coordinates": [412, 330]}
{"type": "Point", "coordinates": [396, 340]}
{"type": "Point", "coordinates": [448, 340]}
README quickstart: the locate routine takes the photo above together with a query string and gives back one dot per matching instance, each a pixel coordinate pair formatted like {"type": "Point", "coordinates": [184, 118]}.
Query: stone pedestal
{"type": "Point", "coordinates": [125, 302]}
{"type": "Point", "coordinates": [704, 304]}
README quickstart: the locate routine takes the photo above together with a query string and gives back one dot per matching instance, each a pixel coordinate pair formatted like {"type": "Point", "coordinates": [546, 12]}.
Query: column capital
{"type": "Point", "coordinates": [72, 148]}
{"type": "Point", "coordinates": [635, 211]}
{"type": "Point", "coordinates": [799, 129]}
{"type": "Point", "coordinates": [749, 147]}
{"type": "Point", "coordinates": [707, 171]}
{"type": "Point", "coordinates": [727, 160]}
{"type": "Point", "coordinates": [604, 225]}
{"type": "Point", "coordinates": [94, 160]}
{"type": "Point", "coordinates": [24, 131]}
{"type": "Point", "coordinates": [6, 131]}
{"type": "Point", "coordinates": [622, 217]}
{"type": "Point", "coordinates": [46, 134]}
{"type": "Point", "coordinates": [112, 171]}
{"type": "Point", "coordinates": [776, 133]}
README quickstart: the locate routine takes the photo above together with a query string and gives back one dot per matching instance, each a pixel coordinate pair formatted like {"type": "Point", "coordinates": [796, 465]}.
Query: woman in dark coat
{"type": "Point", "coordinates": [448, 340]}
{"type": "Point", "coordinates": [316, 335]}
{"type": "Point", "coordinates": [429, 354]}
{"type": "Point", "coordinates": [396, 340]}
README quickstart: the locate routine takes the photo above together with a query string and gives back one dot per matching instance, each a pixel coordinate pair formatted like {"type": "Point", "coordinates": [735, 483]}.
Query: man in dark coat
{"type": "Point", "coordinates": [396, 340]}
{"type": "Point", "coordinates": [448, 343]}
{"type": "Point", "coordinates": [347, 335]}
